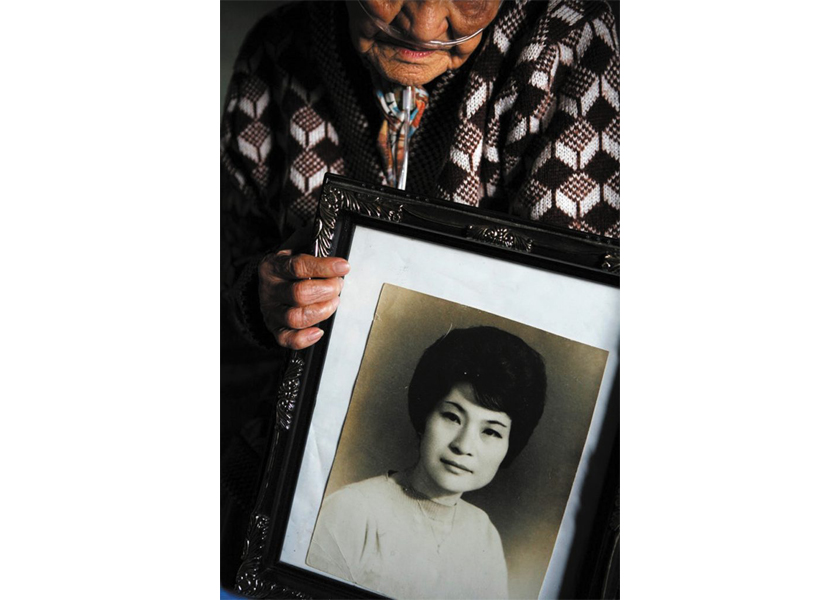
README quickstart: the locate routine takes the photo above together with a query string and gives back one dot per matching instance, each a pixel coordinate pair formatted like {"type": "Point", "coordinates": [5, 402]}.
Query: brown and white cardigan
{"type": "Point", "coordinates": [528, 126]}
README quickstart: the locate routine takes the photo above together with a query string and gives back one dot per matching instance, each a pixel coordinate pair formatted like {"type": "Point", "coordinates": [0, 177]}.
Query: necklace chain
{"type": "Point", "coordinates": [429, 520]}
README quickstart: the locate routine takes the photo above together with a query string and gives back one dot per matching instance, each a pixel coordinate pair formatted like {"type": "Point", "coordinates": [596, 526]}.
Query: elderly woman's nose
{"type": "Point", "coordinates": [427, 20]}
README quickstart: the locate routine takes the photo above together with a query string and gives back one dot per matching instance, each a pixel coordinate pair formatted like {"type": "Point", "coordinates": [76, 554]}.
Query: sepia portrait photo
{"type": "Point", "coordinates": [457, 454]}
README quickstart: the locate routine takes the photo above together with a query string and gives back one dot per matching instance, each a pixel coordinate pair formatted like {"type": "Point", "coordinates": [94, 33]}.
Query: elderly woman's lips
{"type": "Point", "coordinates": [403, 51]}
{"type": "Point", "coordinates": [455, 467]}
{"type": "Point", "coordinates": [406, 53]}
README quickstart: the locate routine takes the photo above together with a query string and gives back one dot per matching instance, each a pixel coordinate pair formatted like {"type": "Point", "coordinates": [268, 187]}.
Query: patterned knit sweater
{"type": "Point", "coordinates": [528, 126]}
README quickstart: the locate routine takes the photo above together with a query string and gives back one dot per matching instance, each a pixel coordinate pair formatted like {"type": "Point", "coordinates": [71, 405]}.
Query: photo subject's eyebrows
{"type": "Point", "coordinates": [456, 405]}
{"type": "Point", "coordinates": [461, 409]}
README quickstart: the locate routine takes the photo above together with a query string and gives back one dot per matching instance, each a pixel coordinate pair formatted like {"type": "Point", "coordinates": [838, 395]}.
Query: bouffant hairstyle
{"type": "Point", "coordinates": [505, 374]}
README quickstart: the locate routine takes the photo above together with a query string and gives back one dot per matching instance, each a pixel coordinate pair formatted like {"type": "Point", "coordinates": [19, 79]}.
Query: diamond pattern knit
{"type": "Point", "coordinates": [529, 125]}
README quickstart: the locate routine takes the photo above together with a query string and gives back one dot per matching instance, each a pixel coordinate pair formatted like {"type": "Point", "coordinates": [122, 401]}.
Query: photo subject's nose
{"type": "Point", "coordinates": [463, 443]}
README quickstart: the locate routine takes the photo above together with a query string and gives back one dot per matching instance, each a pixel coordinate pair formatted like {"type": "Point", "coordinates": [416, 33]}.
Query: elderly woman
{"type": "Point", "coordinates": [506, 105]}
{"type": "Point", "coordinates": [474, 399]}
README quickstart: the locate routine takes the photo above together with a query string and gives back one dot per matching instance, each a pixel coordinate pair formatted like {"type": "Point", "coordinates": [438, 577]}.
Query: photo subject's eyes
{"type": "Point", "coordinates": [492, 433]}
{"type": "Point", "coordinates": [451, 416]}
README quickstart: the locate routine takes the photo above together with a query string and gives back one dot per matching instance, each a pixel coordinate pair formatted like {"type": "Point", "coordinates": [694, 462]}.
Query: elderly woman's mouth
{"type": "Point", "coordinates": [407, 53]}
{"type": "Point", "coordinates": [402, 49]}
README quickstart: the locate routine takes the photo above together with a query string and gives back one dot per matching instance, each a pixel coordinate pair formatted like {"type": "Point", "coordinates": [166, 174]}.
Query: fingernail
{"type": "Point", "coordinates": [315, 335]}
{"type": "Point", "coordinates": [342, 268]}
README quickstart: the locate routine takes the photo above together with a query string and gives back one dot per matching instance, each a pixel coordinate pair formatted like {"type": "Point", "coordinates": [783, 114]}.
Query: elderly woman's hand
{"type": "Point", "coordinates": [298, 291]}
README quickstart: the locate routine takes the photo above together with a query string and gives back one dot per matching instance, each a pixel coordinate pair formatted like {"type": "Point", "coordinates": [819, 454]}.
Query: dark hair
{"type": "Point", "coordinates": [505, 373]}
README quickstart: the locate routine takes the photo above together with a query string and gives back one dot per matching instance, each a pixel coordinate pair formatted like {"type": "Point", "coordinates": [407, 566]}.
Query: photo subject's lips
{"type": "Point", "coordinates": [454, 467]}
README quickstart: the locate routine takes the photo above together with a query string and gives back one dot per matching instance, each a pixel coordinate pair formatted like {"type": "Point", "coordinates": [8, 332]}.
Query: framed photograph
{"type": "Point", "coordinates": [454, 433]}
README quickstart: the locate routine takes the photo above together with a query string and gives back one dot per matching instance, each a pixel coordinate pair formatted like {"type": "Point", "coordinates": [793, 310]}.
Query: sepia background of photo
{"type": "Point", "coordinates": [525, 501]}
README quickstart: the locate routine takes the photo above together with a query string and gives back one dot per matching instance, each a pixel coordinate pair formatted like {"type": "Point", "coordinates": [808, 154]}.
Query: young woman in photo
{"type": "Point", "coordinates": [474, 399]}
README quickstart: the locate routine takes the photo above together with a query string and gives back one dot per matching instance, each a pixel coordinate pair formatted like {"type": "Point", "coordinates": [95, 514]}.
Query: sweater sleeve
{"type": "Point", "coordinates": [242, 247]}
{"type": "Point", "coordinates": [537, 132]}
{"type": "Point", "coordinates": [494, 580]}
{"type": "Point", "coordinates": [499, 576]}
{"type": "Point", "coordinates": [252, 164]}
{"type": "Point", "coordinates": [341, 533]}
{"type": "Point", "coordinates": [569, 145]}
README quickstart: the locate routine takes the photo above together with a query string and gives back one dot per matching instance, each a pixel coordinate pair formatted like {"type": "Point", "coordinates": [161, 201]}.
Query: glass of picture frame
{"type": "Point", "coordinates": [354, 503]}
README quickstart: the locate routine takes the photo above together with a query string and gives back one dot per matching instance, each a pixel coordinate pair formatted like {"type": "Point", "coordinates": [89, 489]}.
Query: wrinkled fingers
{"type": "Point", "coordinates": [295, 328]}
{"type": "Point", "coordinates": [302, 266]}
{"type": "Point", "coordinates": [298, 339]}
{"type": "Point", "coordinates": [301, 317]}
{"type": "Point", "coordinates": [303, 292]}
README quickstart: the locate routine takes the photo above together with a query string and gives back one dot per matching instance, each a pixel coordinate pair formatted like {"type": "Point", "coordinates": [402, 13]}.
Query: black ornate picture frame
{"type": "Point", "coordinates": [351, 211]}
